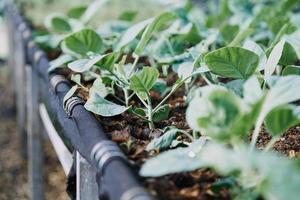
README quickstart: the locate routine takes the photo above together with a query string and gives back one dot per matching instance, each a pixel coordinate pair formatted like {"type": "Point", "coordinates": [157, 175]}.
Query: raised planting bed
{"type": "Point", "coordinates": [203, 102]}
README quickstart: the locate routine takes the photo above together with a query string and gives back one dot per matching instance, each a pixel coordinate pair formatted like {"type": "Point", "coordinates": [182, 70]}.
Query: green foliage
{"type": "Point", "coordinates": [232, 62]}
{"type": "Point", "coordinates": [83, 42]}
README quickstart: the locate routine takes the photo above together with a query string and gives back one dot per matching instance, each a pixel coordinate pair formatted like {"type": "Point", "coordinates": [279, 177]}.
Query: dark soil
{"type": "Point", "coordinates": [13, 167]}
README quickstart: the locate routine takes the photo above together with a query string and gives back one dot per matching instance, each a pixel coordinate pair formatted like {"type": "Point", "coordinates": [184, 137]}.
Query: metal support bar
{"type": "Point", "coordinates": [19, 69]}
{"type": "Point", "coordinates": [86, 186]}
{"type": "Point", "coordinates": [64, 155]}
{"type": "Point", "coordinates": [35, 155]}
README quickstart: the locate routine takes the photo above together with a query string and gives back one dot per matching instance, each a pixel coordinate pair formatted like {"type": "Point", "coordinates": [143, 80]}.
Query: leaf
{"type": "Point", "coordinates": [58, 23]}
{"type": "Point", "coordinates": [217, 114]}
{"type": "Point", "coordinates": [289, 55]}
{"type": "Point", "coordinates": [103, 107]}
{"type": "Point", "coordinates": [163, 142]}
{"type": "Point", "coordinates": [151, 28]}
{"type": "Point", "coordinates": [131, 33]}
{"type": "Point", "coordinates": [99, 88]}
{"type": "Point", "coordinates": [255, 48]}
{"type": "Point", "coordinates": [283, 91]}
{"type": "Point", "coordinates": [144, 80]}
{"type": "Point", "coordinates": [291, 70]}
{"type": "Point", "coordinates": [160, 86]}
{"type": "Point", "coordinates": [281, 119]}
{"type": "Point", "coordinates": [59, 62]}
{"type": "Point", "coordinates": [83, 65]}
{"type": "Point", "coordinates": [185, 70]}
{"type": "Point", "coordinates": [252, 91]}
{"type": "Point", "coordinates": [70, 93]}
{"type": "Point", "coordinates": [172, 161]}
{"type": "Point", "coordinates": [162, 113]}
{"type": "Point", "coordinates": [108, 61]}
{"type": "Point", "coordinates": [84, 41]}
{"type": "Point", "coordinates": [232, 62]}
{"type": "Point", "coordinates": [274, 58]}
{"type": "Point", "coordinates": [128, 15]}
{"type": "Point", "coordinates": [76, 12]}
{"type": "Point", "coordinates": [76, 78]}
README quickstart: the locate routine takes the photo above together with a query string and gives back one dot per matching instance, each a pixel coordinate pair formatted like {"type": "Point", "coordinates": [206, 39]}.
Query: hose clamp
{"type": "Point", "coordinates": [105, 151]}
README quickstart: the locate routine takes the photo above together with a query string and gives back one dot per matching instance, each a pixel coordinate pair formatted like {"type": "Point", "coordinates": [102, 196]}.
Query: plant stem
{"type": "Point", "coordinates": [126, 96]}
{"type": "Point", "coordinates": [256, 131]}
{"type": "Point", "coordinates": [136, 59]}
{"type": "Point", "coordinates": [150, 113]}
{"type": "Point", "coordinates": [271, 143]}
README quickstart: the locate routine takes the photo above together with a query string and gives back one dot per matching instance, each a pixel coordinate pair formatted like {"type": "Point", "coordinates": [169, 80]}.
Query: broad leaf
{"type": "Point", "coordinates": [255, 48]}
{"type": "Point", "coordinates": [274, 58]}
{"type": "Point", "coordinates": [163, 142]}
{"type": "Point", "coordinates": [76, 12]}
{"type": "Point", "coordinates": [128, 15]}
{"type": "Point", "coordinates": [185, 70]}
{"type": "Point", "coordinates": [162, 113]}
{"type": "Point", "coordinates": [103, 107]}
{"type": "Point", "coordinates": [291, 70]}
{"type": "Point", "coordinates": [218, 114]}
{"type": "Point", "coordinates": [83, 65]}
{"type": "Point", "coordinates": [58, 24]}
{"type": "Point", "coordinates": [177, 160]}
{"type": "Point", "coordinates": [144, 80]}
{"type": "Point", "coordinates": [60, 62]}
{"type": "Point", "coordinates": [232, 62]}
{"type": "Point", "coordinates": [151, 28]}
{"type": "Point", "coordinates": [131, 33]}
{"type": "Point", "coordinates": [252, 91]}
{"type": "Point", "coordinates": [83, 42]}
{"type": "Point", "coordinates": [282, 118]}
{"type": "Point", "coordinates": [99, 88]}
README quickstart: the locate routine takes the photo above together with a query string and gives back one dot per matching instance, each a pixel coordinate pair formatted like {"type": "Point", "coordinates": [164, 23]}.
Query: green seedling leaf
{"type": "Point", "coordinates": [255, 48]}
{"type": "Point", "coordinates": [232, 62]}
{"type": "Point", "coordinates": [128, 15]}
{"type": "Point", "coordinates": [251, 169]}
{"type": "Point", "coordinates": [83, 65]}
{"type": "Point", "coordinates": [99, 88]}
{"type": "Point", "coordinates": [108, 61]}
{"type": "Point", "coordinates": [185, 70]}
{"type": "Point", "coordinates": [218, 114]}
{"type": "Point", "coordinates": [177, 160]}
{"type": "Point", "coordinates": [103, 107]}
{"type": "Point", "coordinates": [289, 55]}
{"type": "Point", "coordinates": [252, 91]}
{"type": "Point", "coordinates": [155, 25]}
{"type": "Point", "coordinates": [83, 42]}
{"type": "Point", "coordinates": [285, 90]}
{"type": "Point", "coordinates": [76, 78]}
{"type": "Point", "coordinates": [291, 70]}
{"type": "Point", "coordinates": [70, 93]}
{"type": "Point", "coordinates": [274, 58]}
{"type": "Point", "coordinates": [143, 81]}
{"type": "Point", "coordinates": [76, 12]}
{"type": "Point", "coordinates": [131, 33]}
{"type": "Point", "coordinates": [58, 24]}
{"type": "Point", "coordinates": [281, 119]}
{"type": "Point", "coordinates": [294, 40]}
{"type": "Point", "coordinates": [60, 62]}
{"type": "Point", "coordinates": [163, 142]}
{"type": "Point", "coordinates": [160, 86]}
{"type": "Point", "coordinates": [162, 113]}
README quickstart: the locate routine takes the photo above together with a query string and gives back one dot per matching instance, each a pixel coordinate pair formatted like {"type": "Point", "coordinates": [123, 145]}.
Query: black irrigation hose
{"type": "Point", "coordinates": [115, 179]}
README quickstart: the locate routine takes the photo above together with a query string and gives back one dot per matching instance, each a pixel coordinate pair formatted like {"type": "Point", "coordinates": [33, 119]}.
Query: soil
{"type": "Point", "coordinates": [13, 167]}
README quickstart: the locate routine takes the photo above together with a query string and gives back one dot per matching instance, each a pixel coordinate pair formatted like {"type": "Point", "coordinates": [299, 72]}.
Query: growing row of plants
{"type": "Point", "coordinates": [237, 68]}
